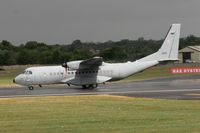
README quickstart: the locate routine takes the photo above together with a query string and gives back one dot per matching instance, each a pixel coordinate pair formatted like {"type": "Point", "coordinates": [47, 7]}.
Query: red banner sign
{"type": "Point", "coordinates": [185, 70]}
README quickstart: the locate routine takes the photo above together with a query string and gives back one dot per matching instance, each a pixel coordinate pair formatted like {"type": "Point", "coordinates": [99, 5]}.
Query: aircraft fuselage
{"type": "Point", "coordinates": [61, 75]}
{"type": "Point", "coordinates": [89, 73]}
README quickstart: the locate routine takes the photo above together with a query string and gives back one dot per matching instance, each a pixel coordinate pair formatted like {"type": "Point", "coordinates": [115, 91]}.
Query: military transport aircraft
{"type": "Point", "coordinates": [89, 73]}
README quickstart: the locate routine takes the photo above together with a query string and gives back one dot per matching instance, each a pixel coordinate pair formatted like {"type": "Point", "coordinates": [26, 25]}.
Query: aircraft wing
{"type": "Point", "coordinates": [92, 63]}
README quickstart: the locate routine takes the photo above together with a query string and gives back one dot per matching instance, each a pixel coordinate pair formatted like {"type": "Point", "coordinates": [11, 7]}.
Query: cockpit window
{"type": "Point", "coordinates": [28, 72]}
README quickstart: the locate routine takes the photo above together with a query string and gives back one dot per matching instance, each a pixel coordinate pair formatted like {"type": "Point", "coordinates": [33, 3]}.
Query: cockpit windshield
{"type": "Point", "coordinates": [28, 72]}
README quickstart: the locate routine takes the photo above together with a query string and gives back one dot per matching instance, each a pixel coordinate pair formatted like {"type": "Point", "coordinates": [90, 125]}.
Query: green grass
{"type": "Point", "coordinates": [6, 82]}
{"type": "Point", "coordinates": [89, 114]}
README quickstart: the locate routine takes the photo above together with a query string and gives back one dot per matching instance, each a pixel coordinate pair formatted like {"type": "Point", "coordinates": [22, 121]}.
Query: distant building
{"type": "Point", "coordinates": [190, 54]}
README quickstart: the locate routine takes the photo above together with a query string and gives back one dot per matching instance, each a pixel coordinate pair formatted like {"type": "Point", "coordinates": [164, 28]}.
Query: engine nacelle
{"type": "Point", "coordinates": [74, 65]}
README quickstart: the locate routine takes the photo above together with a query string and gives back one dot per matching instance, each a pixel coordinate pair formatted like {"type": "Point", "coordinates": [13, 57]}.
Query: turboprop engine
{"type": "Point", "coordinates": [92, 63]}
{"type": "Point", "coordinates": [75, 65]}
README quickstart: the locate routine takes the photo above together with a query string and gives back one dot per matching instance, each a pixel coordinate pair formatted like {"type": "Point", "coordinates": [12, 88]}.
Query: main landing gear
{"type": "Point", "coordinates": [91, 86]}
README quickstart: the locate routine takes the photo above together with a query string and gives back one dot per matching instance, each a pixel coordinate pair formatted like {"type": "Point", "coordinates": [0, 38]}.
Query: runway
{"type": "Point", "coordinates": [172, 88]}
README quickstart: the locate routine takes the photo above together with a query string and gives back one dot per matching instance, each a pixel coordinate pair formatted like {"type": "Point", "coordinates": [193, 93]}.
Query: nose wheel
{"type": "Point", "coordinates": [31, 88]}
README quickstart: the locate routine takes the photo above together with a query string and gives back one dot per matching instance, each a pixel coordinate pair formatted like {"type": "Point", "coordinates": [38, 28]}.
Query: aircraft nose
{"type": "Point", "coordinates": [19, 79]}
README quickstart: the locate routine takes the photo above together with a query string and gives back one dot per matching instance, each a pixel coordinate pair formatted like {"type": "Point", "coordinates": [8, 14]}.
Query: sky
{"type": "Point", "coordinates": [63, 21]}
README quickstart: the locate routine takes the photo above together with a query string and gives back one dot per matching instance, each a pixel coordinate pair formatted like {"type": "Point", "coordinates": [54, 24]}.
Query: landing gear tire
{"type": "Point", "coordinates": [96, 85]}
{"type": "Point", "coordinates": [31, 88]}
{"type": "Point", "coordinates": [91, 86]}
{"type": "Point", "coordinates": [84, 86]}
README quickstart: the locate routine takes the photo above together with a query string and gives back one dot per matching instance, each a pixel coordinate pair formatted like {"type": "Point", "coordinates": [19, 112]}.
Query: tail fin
{"type": "Point", "coordinates": [169, 48]}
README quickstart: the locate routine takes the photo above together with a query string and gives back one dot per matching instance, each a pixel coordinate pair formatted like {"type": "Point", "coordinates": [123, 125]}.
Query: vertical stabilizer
{"type": "Point", "coordinates": [169, 48]}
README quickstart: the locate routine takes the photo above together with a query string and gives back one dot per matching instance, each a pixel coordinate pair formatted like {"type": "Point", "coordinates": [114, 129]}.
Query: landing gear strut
{"type": "Point", "coordinates": [31, 88]}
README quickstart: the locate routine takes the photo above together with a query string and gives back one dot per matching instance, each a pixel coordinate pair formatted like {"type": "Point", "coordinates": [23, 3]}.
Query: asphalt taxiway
{"type": "Point", "coordinates": [173, 88]}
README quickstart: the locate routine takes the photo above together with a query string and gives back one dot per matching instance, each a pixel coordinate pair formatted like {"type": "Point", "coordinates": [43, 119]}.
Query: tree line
{"type": "Point", "coordinates": [40, 53]}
